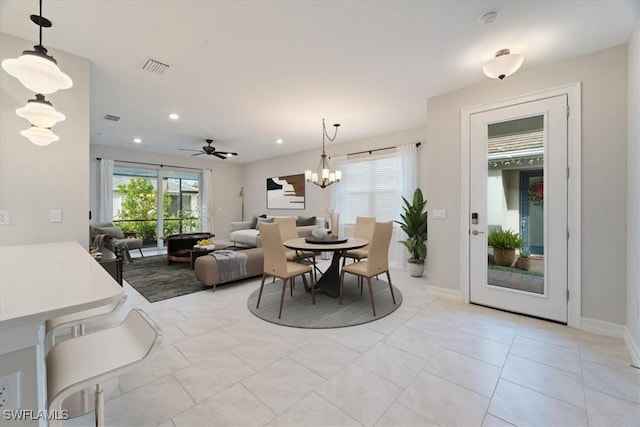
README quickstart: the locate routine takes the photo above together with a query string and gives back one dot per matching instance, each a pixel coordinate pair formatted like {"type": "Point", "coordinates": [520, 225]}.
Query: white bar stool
{"type": "Point", "coordinates": [92, 359]}
{"type": "Point", "coordinates": [75, 323]}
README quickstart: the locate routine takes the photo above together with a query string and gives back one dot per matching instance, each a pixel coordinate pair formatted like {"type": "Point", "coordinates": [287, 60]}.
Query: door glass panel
{"type": "Point", "coordinates": [515, 201]}
{"type": "Point", "coordinates": [134, 203]}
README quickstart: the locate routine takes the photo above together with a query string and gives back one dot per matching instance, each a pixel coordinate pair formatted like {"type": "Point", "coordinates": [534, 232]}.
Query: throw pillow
{"type": "Point", "coordinates": [254, 222]}
{"type": "Point", "coordinates": [114, 232]}
{"type": "Point", "coordinates": [304, 221]}
{"type": "Point", "coordinates": [265, 220]}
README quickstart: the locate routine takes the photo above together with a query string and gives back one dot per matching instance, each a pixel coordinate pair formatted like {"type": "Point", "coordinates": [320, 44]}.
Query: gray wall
{"type": "Point", "coordinates": [317, 200]}
{"type": "Point", "coordinates": [604, 149]}
{"type": "Point", "coordinates": [35, 179]}
{"type": "Point", "coordinates": [633, 194]}
{"type": "Point", "coordinates": [227, 177]}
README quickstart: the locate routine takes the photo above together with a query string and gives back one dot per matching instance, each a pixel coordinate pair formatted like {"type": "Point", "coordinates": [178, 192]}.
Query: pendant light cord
{"type": "Point", "coordinates": [40, 25]}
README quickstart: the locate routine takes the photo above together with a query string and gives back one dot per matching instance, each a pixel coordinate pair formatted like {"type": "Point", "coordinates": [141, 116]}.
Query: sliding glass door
{"type": "Point", "coordinates": [155, 203]}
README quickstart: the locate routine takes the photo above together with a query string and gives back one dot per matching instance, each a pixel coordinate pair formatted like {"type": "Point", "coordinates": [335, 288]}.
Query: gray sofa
{"type": "Point", "coordinates": [118, 236]}
{"type": "Point", "coordinates": [245, 233]}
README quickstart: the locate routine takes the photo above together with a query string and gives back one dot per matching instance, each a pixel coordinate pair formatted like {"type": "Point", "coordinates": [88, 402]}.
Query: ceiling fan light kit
{"type": "Point", "coordinates": [503, 65]}
{"type": "Point", "coordinates": [39, 72]}
{"type": "Point", "coordinates": [324, 177]}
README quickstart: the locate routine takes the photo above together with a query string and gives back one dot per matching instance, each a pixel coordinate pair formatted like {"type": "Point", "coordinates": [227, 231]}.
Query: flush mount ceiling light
{"type": "Point", "coordinates": [35, 69]}
{"type": "Point", "coordinates": [137, 140]}
{"type": "Point", "coordinates": [40, 112]}
{"type": "Point", "coordinates": [324, 176]}
{"type": "Point", "coordinates": [174, 116]}
{"type": "Point", "coordinates": [39, 136]}
{"type": "Point", "coordinates": [504, 64]}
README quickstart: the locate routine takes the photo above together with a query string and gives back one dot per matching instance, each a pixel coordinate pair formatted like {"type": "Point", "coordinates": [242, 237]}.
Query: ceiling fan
{"type": "Point", "coordinates": [211, 151]}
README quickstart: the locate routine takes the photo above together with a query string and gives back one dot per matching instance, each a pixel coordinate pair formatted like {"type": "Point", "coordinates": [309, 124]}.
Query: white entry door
{"type": "Point", "coordinates": [518, 157]}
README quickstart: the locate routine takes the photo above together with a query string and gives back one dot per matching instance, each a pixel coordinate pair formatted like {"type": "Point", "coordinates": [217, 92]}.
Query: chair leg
{"type": "Point", "coordinates": [264, 276]}
{"type": "Point", "coordinates": [393, 297]}
{"type": "Point", "coordinates": [373, 306]}
{"type": "Point", "coordinates": [313, 287]}
{"type": "Point", "coordinates": [284, 288]}
{"type": "Point", "coordinates": [341, 286]}
{"type": "Point", "coordinates": [292, 284]}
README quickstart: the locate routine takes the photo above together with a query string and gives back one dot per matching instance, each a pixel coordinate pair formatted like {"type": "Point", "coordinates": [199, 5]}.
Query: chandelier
{"type": "Point", "coordinates": [38, 71]}
{"type": "Point", "coordinates": [324, 177]}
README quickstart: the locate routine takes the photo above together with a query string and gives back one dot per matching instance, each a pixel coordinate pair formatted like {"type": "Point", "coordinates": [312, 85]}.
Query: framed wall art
{"type": "Point", "coordinates": [285, 192]}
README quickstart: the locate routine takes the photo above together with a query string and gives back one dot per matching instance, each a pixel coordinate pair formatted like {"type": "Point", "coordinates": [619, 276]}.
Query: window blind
{"type": "Point", "coordinates": [372, 189]}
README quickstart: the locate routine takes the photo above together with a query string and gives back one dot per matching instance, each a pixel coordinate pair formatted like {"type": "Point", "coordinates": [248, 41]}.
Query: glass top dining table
{"type": "Point", "coordinates": [329, 282]}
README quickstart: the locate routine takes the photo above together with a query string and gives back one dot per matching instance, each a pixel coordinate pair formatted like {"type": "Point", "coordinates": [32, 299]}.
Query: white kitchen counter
{"type": "Point", "coordinates": [37, 283]}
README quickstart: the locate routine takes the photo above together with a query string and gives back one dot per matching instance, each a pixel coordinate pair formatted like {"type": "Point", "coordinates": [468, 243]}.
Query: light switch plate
{"type": "Point", "coordinates": [439, 213]}
{"type": "Point", "coordinates": [55, 215]}
{"type": "Point", "coordinates": [4, 218]}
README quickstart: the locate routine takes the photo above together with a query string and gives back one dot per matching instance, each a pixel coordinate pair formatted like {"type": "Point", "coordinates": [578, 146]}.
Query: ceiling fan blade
{"type": "Point", "coordinates": [227, 153]}
{"type": "Point", "coordinates": [198, 154]}
{"type": "Point", "coordinates": [186, 149]}
{"type": "Point", "coordinates": [220, 156]}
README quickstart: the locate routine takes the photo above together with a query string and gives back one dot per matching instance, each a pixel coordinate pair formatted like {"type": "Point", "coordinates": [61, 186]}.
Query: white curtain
{"type": "Point", "coordinates": [337, 190]}
{"type": "Point", "coordinates": [105, 194]}
{"type": "Point", "coordinates": [206, 217]}
{"type": "Point", "coordinates": [408, 155]}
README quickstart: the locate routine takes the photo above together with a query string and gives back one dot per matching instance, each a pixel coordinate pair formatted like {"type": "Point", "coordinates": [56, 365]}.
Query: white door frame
{"type": "Point", "coordinates": [574, 138]}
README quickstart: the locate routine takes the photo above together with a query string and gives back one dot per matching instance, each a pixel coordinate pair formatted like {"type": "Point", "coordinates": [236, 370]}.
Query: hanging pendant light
{"type": "Point", "coordinates": [40, 112]}
{"type": "Point", "coordinates": [324, 177]}
{"type": "Point", "coordinates": [503, 65]}
{"type": "Point", "coordinates": [36, 69]}
{"type": "Point", "coordinates": [40, 136]}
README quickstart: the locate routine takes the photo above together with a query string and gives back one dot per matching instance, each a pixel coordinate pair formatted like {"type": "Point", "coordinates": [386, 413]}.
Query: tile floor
{"type": "Point", "coordinates": [433, 362]}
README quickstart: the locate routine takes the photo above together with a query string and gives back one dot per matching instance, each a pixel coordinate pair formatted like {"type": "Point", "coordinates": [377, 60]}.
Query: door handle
{"type": "Point", "coordinates": [476, 232]}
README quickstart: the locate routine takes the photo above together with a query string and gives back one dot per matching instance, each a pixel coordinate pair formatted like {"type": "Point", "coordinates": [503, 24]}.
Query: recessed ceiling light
{"type": "Point", "coordinates": [279, 141]}
{"type": "Point", "coordinates": [174, 116]}
{"type": "Point", "coordinates": [137, 140]}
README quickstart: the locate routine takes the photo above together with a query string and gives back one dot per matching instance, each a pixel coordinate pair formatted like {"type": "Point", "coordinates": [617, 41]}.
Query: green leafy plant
{"type": "Point", "coordinates": [507, 239]}
{"type": "Point", "coordinates": [414, 223]}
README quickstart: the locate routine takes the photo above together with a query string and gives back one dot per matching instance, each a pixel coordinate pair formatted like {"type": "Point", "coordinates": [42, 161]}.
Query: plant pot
{"type": "Point", "coordinates": [523, 263]}
{"type": "Point", "coordinates": [416, 269]}
{"type": "Point", "coordinates": [504, 257]}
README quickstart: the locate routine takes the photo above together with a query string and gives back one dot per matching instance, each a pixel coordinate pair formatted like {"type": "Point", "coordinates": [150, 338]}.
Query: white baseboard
{"type": "Point", "coordinates": [601, 327]}
{"type": "Point", "coordinates": [632, 347]}
{"type": "Point", "coordinates": [439, 292]}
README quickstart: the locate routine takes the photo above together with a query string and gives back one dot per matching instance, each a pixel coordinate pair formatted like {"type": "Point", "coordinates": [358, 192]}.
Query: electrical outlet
{"type": "Point", "coordinates": [10, 391]}
{"type": "Point", "coordinates": [4, 217]}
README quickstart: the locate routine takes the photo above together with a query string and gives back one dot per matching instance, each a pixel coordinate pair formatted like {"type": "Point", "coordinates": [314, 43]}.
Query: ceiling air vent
{"type": "Point", "coordinates": [155, 67]}
{"type": "Point", "coordinates": [111, 117]}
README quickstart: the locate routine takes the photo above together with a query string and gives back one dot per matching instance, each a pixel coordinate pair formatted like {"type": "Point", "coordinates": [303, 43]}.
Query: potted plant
{"type": "Point", "coordinates": [414, 224]}
{"type": "Point", "coordinates": [524, 262]}
{"type": "Point", "coordinates": [504, 245]}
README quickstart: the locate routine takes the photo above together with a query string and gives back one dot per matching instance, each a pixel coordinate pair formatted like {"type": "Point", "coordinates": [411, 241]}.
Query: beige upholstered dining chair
{"type": "Point", "coordinates": [289, 231]}
{"type": "Point", "coordinates": [377, 262]}
{"type": "Point", "coordinates": [276, 264]}
{"type": "Point", "coordinates": [363, 230]}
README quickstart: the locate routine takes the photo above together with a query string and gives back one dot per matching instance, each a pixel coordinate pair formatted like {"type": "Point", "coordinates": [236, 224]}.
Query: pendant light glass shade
{"type": "Point", "coordinates": [37, 71]}
{"type": "Point", "coordinates": [40, 112]}
{"type": "Point", "coordinates": [40, 136]}
{"type": "Point", "coordinates": [504, 64]}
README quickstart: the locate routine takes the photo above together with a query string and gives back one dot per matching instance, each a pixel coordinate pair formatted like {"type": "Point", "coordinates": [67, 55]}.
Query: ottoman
{"type": "Point", "coordinates": [206, 267]}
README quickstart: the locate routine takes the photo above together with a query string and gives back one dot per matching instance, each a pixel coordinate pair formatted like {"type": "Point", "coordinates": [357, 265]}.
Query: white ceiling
{"type": "Point", "coordinates": [247, 73]}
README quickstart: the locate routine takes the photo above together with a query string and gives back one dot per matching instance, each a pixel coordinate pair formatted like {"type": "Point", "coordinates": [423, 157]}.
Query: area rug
{"type": "Point", "coordinates": [156, 280]}
{"type": "Point", "coordinates": [299, 312]}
